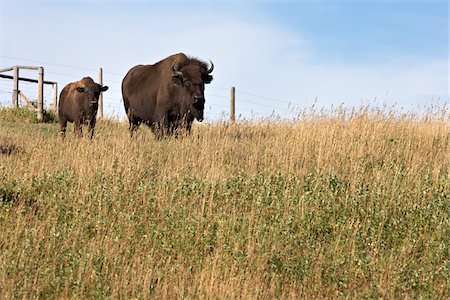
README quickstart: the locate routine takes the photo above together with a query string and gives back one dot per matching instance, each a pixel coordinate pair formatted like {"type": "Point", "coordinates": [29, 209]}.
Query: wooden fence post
{"type": "Point", "coordinates": [55, 96]}
{"type": "Point", "coordinates": [232, 105]}
{"type": "Point", "coordinates": [40, 104]}
{"type": "Point", "coordinates": [100, 99]}
{"type": "Point", "coordinates": [15, 93]}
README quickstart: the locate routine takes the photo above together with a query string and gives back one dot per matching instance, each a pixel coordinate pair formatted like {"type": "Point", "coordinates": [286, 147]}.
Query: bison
{"type": "Point", "coordinates": [166, 96]}
{"type": "Point", "coordinates": [78, 103]}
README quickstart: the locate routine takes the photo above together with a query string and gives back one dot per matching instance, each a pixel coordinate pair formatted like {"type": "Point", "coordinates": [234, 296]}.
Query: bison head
{"type": "Point", "coordinates": [192, 76]}
{"type": "Point", "coordinates": [92, 92]}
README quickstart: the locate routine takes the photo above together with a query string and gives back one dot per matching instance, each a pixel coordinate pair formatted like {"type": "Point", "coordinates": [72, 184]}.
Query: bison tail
{"type": "Point", "coordinates": [130, 113]}
{"type": "Point", "coordinates": [126, 103]}
{"type": "Point", "coordinates": [127, 107]}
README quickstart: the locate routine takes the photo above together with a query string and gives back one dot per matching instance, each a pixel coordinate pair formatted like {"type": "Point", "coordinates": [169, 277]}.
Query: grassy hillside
{"type": "Point", "coordinates": [343, 204]}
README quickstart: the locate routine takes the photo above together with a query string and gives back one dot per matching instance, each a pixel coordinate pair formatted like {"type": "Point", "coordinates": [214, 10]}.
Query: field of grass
{"type": "Point", "coordinates": [349, 203]}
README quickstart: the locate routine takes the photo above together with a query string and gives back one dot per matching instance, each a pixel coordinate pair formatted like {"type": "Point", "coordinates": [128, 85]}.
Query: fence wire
{"type": "Point", "coordinates": [248, 104]}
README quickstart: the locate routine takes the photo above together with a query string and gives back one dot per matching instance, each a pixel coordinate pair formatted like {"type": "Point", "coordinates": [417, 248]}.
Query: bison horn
{"type": "Point", "coordinates": [175, 71]}
{"type": "Point", "coordinates": [211, 68]}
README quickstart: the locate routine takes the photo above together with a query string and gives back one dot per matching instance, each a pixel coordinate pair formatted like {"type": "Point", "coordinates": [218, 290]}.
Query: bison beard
{"type": "Point", "coordinates": [166, 96]}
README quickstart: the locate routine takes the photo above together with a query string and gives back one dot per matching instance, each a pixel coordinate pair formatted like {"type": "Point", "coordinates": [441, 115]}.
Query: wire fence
{"type": "Point", "coordinates": [248, 104]}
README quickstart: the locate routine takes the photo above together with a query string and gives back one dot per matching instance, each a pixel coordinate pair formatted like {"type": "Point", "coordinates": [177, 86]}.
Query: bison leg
{"type": "Point", "coordinates": [173, 129]}
{"type": "Point", "coordinates": [182, 128]}
{"type": "Point", "coordinates": [164, 128]}
{"type": "Point", "coordinates": [77, 129]}
{"type": "Point", "coordinates": [133, 121]}
{"type": "Point", "coordinates": [178, 129]}
{"type": "Point", "coordinates": [133, 127]}
{"type": "Point", "coordinates": [63, 126]}
{"type": "Point", "coordinates": [91, 127]}
{"type": "Point", "coordinates": [156, 128]}
{"type": "Point", "coordinates": [188, 128]}
{"type": "Point", "coordinates": [161, 128]}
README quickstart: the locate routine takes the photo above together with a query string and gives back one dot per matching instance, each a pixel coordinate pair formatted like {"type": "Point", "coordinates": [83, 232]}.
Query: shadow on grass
{"type": "Point", "coordinates": [8, 196]}
{"type": "Point", "coordinates": [8, 148]}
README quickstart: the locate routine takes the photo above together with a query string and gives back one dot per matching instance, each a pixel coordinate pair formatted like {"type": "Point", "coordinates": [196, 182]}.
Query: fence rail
{"type": "Point", "coordinates": [40, 81]}
{"type": "Point", "coordinates": [27, 79]}
{"type": "Point", "coordinates": [240, 101]}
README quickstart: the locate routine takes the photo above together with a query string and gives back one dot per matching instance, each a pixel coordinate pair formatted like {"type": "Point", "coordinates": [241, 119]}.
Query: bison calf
{"type": "Point", "coordinates": [78, 103]}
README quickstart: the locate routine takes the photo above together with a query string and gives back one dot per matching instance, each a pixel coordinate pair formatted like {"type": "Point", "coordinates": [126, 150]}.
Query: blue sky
{"type": "Point", "coordinates": [368, 31]}
{"type": "Point", "coordinates": [280, 55]}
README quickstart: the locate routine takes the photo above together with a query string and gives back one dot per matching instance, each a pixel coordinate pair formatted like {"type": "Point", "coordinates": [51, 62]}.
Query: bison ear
{"type": "Point", "coordinates": [104, 88]}
{"type": "Point", "coordinates": [207, 79]}
{"type": "Point", "coordinates": [80, 89]}
{"type": "Point", "coordinates": [177, 79]}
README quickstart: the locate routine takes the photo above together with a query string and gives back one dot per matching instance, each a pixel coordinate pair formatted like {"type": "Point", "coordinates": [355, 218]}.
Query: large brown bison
{"type": "Point", "coordinates": [166, 96]}
{"type": "Point", "coordinates": [78, 103]}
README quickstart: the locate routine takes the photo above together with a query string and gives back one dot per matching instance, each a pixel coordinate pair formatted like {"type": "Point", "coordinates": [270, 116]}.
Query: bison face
{"type": "Point", "coordinates": [194, 95]}
{"type": "Point", "coordinates": [195, 92]}
{"type": "Point", "coordinates": [192, 80]}
{"type": "Point", "coordinates": [92, 92]}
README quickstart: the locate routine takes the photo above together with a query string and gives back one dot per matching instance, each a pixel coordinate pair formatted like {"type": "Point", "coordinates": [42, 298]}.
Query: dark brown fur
{"type": "Point", "coordinates": [163, 99]}
{"type": "Point", "coordinates": [78, 103]}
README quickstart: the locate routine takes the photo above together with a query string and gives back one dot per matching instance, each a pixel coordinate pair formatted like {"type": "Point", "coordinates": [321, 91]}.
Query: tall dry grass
{"type": "Point", "coordinates": [344, 203]}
